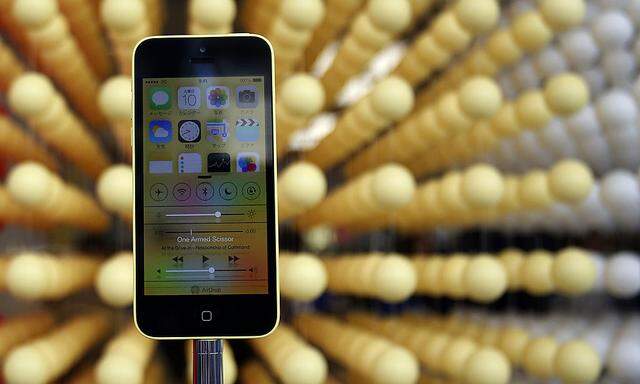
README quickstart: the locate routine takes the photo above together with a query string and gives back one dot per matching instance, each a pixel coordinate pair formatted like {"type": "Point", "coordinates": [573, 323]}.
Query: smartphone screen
{"type": "Point", "coordinates": [205, 216]}
{"type": "Point", "coordinates": [205, 210]}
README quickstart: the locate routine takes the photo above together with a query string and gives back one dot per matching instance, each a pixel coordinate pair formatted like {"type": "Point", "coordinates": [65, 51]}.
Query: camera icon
{"type": "Point", "coordinates": [247, 96]}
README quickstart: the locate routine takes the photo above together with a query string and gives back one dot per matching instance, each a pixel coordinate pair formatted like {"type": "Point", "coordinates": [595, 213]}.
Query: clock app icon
{"type": "Point", "coordinates": [189, 131]}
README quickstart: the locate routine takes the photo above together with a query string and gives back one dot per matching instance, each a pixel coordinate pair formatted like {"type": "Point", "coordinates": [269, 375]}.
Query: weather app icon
{"type": "Point", "coordinates": [160, 131]}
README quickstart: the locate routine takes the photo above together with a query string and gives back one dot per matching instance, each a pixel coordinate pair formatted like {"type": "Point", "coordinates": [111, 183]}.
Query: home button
{"type": "Point", "coordinates": [206, 316]}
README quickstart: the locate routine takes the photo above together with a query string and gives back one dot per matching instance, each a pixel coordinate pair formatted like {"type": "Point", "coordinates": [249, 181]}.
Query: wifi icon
{"type": "Point", "coordinates": [182, 191]}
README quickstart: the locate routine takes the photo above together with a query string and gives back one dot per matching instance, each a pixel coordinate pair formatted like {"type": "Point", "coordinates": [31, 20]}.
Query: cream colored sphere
{"type": "Point", "coordinates": [532, 110]}
{"type": "Point", "coordinates": [302, 15]}
{"type": "Point", "coordinates": [30, 94]}
{"type": "Point", "coordinates": [114, 280]}
{"type": "Point", "coordinates": [303, 184]}
{"type": "Point", "coordinates": [28, 276]}
{"type": "Point", "coordinates": [392, 98]}
{"type": "Point", "coordinates": [482, 186]}
{"type": "Point", "coordinates": [570, 181]}
{"type": "Point", "coordinates": [485, 279]}
{"type": "Point", "coordinates": [302, 94]}
{"type": "Point", "coordinates": [304, 365]}
{"type": "Point", "coordinates": [390, 16]}
{"type": "Point", "coordinates": [115, 189]}
{"type": "Point", "coordinates": [562, 14]}
{"type": "Point", "coordinates": [393, 186]}
{"type": "Point", "coordinates": [30, 183]}
{"type": "Point", "coordinates": [452, 276]}
{"type": "Point", "coordinates": [478, 16]}
{"type": "Point", "coordinates": [26, 365]}
{"type": "Point", "coordinates": [455, 355]}
{"type": "Point", "coordinates": [303, 277]}
{"type": "Point", "coordinates": [534, 190]}
{"type": "Point", "coordinates": [34, 13]}
{"type": "Point", "coordinates": [480, 97]}
{"type": "Point", "coordinates": [531, 32]}
{"type": "Point", "coordinates": [566, 94]}
{"type": "Point", "coordinates": [512, 260]}
{"type": "Point", "coordinates": [539, 357]}
{"type": "Point", "coordinates": [213, 13]}
{"type": "Point", "coordinates": [117, 368]}
{"type": "Point", "coordinates": [513, 342]}
{"type": "Point", "coordinates": [319, 238]}
{"type": "Point", "coordinates": [536, 273]}
{"type": "Point", "coordinates": [574, 272]}
{"type": "Point", "coordinates": [395, 365]}
{"type": "Point", "coordinates": [114, 98]}
{"type": "Point", "coordinates": [486, 366]}
{"type": "Point", "coordinates": [395, 279]}
{"type": "Point", "coordinates": [122, 15]}
{"type": "Point", "coordinates": [577, 362]}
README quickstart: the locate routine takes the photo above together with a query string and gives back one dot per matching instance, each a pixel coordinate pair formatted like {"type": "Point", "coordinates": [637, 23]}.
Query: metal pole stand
{"type": "Point", "coordinates": [207, 361]}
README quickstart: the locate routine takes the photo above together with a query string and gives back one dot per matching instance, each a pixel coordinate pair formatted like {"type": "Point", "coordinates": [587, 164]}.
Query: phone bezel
{"type": "Point", "coordinates": [179, 316]}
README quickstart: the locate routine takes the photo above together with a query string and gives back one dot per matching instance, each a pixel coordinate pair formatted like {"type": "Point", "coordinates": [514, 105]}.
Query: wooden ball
{"type": "Point", "coordinates": [482, 186]}
{"type": "Point", "coordinates": [534, 190]}
{"type": "Point", "coordinates": [31, 183]}
{"type": "Point", "coordinates": [485, 279]}
{"type": "Point", "coordinates": [574, 272]}
{"type": "Point", "coordinates": [213, 13]}
{"type": "Point", "coordinates": [577, 362]}
{"type": "Point", "coordinates": [123, 15]}
{"type": "Point", "coordinates": [531, 32]}
{"type": "Point", "coordinates": [303, 184]}
{"type": "Point", "coordinates": [115, 189]}
{"type": "Point", "coordinates": [539, 357]}
{"type": "Point", "coordinates": [450, 193]}
{"type": "Point", "coordinates": [505, 122]}
{"type": "Point", "coordinates": [536, 273]}
{"type": "Point", "coordinates": [532, 110]}
{"type": "Point", "coordinates": [114, 281]}
{"type": "Point", "coordinates": [304, 365]}
{"type": "Point", "coordinates": [395, 278]}
{"type": "Point", "coordinates": [303, 277]}
{"type": "Point", "coordinates": [455, 355]}
{"type": "Point", "coordinates": [434, 349]}
{"type": "Point", "coordinates": [302, 94]}
{"type": "Point", "coordinates": [34, 13]}
{"type": "Point", "coordinates": [25, 365]}
{"type": "Point", "coordinates": [392, 98]}
{"type": "Point", "coordinates": [114, 98]}
{"type": "Point", "coordinates": [393, 186]}
{"type": "Point", "coordinates": [304, 15]}
{"type": "Point", "coordinates": [395, 365]}
{"type": "Point", "coordinates": [562, 14]}
{"type": "Point", "coordinates": [622, 275]}
{"type": "Point", "coordinates": [512, 260]}
{"type": "Point", "coordinates": [452, 276]}
{"type": "Point", "coordinates": [486, 366]}
{"type": "Point", "coordinates": [513, 341]}
{"type": "Point", "coordinates": [319, 238]}
{"type": "Point", "coordinates": [430, 273]}
{"type": "Point", "coordinates": [570, 181]}
{"type": "Point", "coordinates": [478, 16]}
{"type": "Point", "coordinates": [480, 97]}
{"type": "Point", "coordinates": [566, 94]}
{"type": "Point", "coordinates": [28, 277]}
{"type": "Point", "coordinates": [31, 94]}
{"type": "Point", "coordinates": [390, 16]}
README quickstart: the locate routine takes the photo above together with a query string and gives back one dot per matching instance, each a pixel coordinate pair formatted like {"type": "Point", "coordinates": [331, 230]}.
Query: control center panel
{"type": "Point", "coordinates": [205, 249]}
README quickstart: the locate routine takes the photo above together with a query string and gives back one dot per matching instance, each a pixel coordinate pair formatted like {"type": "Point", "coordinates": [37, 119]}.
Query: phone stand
{"type": "Point", "coordinates": [207, 361]}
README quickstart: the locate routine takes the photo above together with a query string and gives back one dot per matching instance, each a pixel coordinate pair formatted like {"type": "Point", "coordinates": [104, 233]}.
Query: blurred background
{"type": "Point", "coordinates": [458, 189]}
